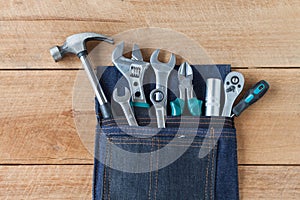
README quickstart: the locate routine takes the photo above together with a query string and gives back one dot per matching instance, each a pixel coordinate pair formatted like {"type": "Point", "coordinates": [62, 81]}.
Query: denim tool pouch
{"type": "Point", "coordinates": [193, 158]}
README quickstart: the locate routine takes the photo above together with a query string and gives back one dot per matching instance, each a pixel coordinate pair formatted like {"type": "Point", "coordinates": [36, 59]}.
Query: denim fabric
{"type": "Point", "coordinates": [213, 176]}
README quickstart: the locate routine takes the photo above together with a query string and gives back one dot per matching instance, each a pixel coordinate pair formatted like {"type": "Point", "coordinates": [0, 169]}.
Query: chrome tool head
{"type": "Point", "coordinates": [158, 99]}
{"type": "Point", "coordinates": [76, 44]}
{"type": "Point", "coordinates": [121, 99]}
{"type": "Point", "coordinates": [185, 70]}
{"type": "Point", "coordinates": [133, 69]}
{"type": "Point", "coordinates": [233, 86]}
{"type": "Point", "coordinates": [157, 65]}
{"type": "Point", "coordinates": [122, 63]}
{"type": "Point", "coordinates": [185, 78]}
{"type": "Point", "coordinates": [124, 102]}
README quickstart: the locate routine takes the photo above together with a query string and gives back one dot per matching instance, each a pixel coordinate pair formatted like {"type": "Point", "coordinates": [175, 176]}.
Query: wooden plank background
{"type": "Point", "coordinates": [41, 154]}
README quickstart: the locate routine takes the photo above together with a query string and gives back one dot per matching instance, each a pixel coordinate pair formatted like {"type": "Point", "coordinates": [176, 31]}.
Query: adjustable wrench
{"type": "Point", "coordinates": [133, 69]}
{"type": "Point", "coordinates": [125, 105]}
{"type": "Point", "coordinates": [158, 97]}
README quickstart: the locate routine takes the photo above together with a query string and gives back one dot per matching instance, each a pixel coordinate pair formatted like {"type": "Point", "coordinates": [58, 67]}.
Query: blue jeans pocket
{"type": "Point", "coordinates": [194, 158]}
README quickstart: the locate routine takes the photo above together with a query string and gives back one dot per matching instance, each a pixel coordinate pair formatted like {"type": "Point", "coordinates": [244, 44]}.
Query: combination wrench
{"type": "Point", "coordinates": [158, 96]}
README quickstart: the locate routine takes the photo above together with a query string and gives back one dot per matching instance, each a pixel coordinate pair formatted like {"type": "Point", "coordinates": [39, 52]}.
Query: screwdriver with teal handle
{"type": "Point", "coordinates": [252, 95]}
{"type": "Point", "coordinates": [185, 78]}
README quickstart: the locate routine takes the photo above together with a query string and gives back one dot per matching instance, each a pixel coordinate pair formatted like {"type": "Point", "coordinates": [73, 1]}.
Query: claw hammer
{"type": "Point", "coordinates": [76, 44]}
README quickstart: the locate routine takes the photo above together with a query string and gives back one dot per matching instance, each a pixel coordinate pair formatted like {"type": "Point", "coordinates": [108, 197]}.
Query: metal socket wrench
{"type": "Point", "coordinates": [213, 97]}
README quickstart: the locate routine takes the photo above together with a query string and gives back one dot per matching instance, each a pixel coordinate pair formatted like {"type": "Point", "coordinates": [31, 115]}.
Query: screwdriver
{"type": "Point", "coordinates": [252, 95]}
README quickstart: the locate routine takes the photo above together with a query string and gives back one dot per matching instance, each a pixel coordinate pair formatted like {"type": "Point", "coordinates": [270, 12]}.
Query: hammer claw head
{"type": "Point", "coordinates": [76, 44]}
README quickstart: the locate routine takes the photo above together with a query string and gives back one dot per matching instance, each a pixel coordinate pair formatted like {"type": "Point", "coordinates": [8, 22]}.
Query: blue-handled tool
{"type": "Point", "coordinates": [185, 77]}
{"type": "Point", "coordinates": [251, 96]}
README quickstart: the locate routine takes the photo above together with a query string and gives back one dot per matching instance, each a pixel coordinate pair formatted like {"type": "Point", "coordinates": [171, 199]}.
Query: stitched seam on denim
{"type": "Point", "coordinates": [120, 134]}
{"type": "Point", "coordinates": [124, 141]}
{"type": "Point", "coordinates": [96, 173]}
{"type": "Point", "coordinates": [200, 120]}
{"type": "Point", "coordinates": [105, 172]}
{"type": "Point", "coordinates": [156, 173]}
{"type": "Point", "coordinates": [181, 121]}
{"type": "Point", "coordinates": [174, 118]}
{"type": "Point", "coordinates": [110, 169]}
{"type": "Point", "coordinates": [162, 135]}
{"type": "Point", "coordinates": [156, 145]}
{"type": "Point", "coordinates": [166, 130]}
{"type": "Point", "coordinates": [127, 139]}
{"type": "Point", "coordinates": [170, 129]}
{"type": "Point", "coordinates": [212, 166]}
{"type": "Point", "coordinates": [206, 175]}
{"type": "Point", "coordinates": [182, 140]}
{"type": "Point", "coordinates": [236, 169]}
{"type": "Point", "coordinates": [176, 123]}
{"type": "Point", "coordinates": [178, 143]}
{"type": "Point", "coordinates": [150, 173]}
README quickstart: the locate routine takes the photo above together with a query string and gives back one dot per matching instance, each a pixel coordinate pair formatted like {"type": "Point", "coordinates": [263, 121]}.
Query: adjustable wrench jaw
{"type": "Point", "coordinates": [133, 70]}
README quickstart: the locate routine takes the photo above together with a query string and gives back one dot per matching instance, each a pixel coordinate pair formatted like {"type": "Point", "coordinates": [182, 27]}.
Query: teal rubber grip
{"type": "Point", "coordinates": [195, 106]}
{"type": "Point", "coordinates": [177, 107]}
{"type": "Point", "coordinates": [140, 104]}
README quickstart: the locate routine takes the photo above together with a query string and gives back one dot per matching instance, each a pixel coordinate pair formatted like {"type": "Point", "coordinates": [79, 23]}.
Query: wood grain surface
{"type": "Point", "coordinates": [74, 182]}
{"type": "Point", "coordinates": [46, 137]}
{"type": "Point", "coordinates": [243, 33]}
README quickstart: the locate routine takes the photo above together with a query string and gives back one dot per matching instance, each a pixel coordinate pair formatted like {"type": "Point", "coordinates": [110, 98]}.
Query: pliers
{"type": "Point", "coordinates": [185, 78]}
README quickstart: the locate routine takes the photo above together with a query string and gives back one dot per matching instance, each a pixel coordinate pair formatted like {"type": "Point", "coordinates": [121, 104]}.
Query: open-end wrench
{"type": "Point", "coordinates": [159, 96]}
{"type": "Point", "coordinates": [124, 102]}
{"type": "Point", "coordinates": [133, 69]}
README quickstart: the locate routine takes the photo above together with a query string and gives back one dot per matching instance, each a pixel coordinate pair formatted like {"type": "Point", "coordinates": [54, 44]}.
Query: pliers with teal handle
{"type": "Point", "coordinates": [185, 78]}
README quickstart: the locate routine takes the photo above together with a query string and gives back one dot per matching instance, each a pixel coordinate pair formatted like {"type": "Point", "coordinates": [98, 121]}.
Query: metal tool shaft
{"type": "Point", "coordinates": [213, 96]}
{"type": "Point", "coordinates": [104, 105]}
{"type": "Point", "coordinates": [75, 44]}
